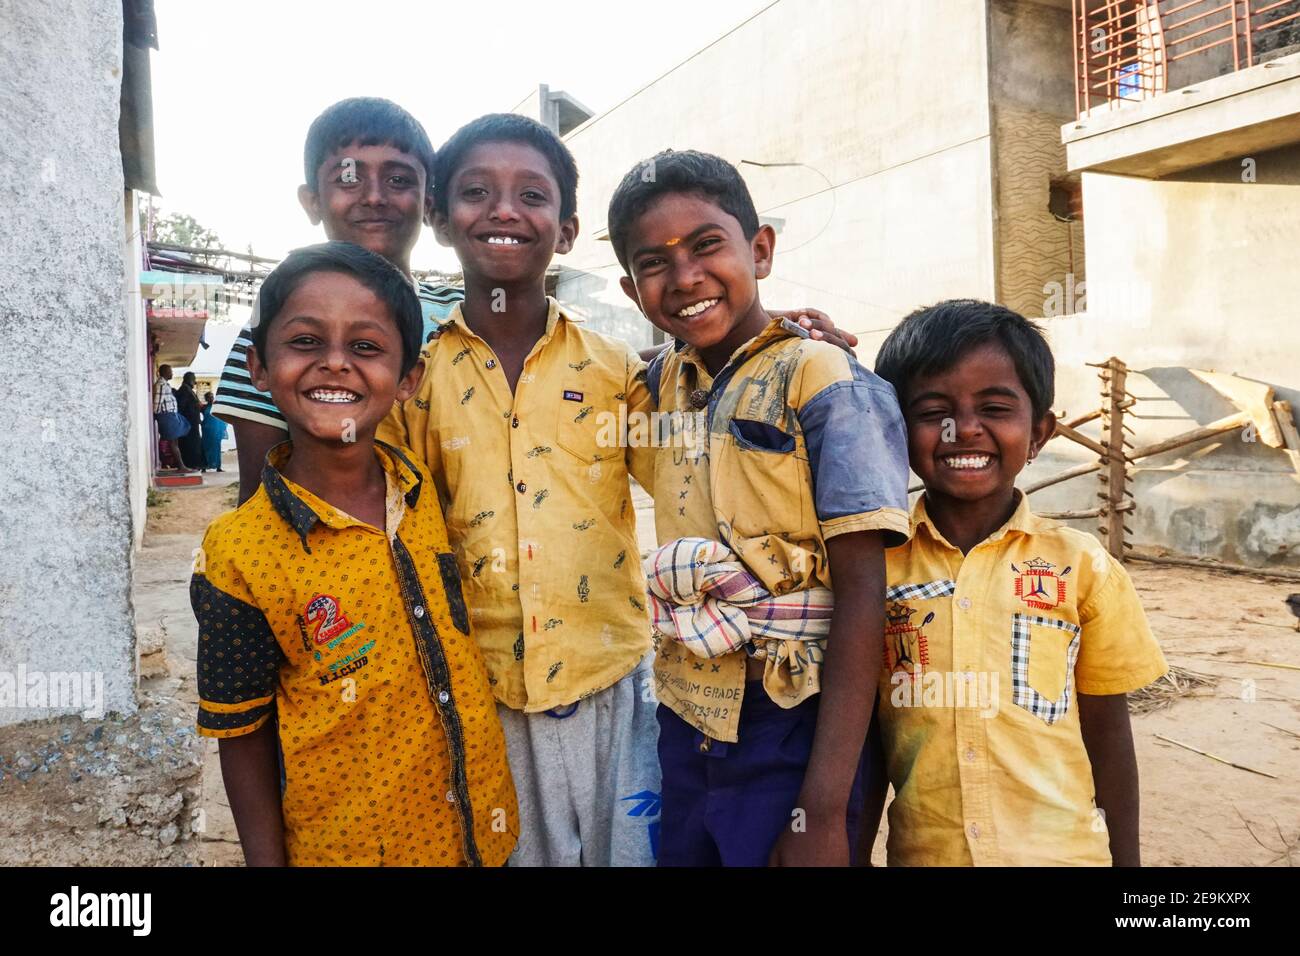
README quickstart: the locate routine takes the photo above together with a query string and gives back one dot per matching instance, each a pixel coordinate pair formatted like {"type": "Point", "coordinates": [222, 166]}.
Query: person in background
{"type": "Point", "coordinates": [187, 404]}
{"type": "Point", "coordinates": [164, 403]}
{"type": "Point", "coordinates": [214, 431]}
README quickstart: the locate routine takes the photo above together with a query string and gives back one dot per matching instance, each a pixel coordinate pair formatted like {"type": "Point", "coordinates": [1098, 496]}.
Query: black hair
{"type": "Point", "coordinates": [507, 128]}
{"type": "Point", "coordinates": [687, 171]}
{"type": "Point", "coordinates": [366, 121]}
{"type": "Point", "coordinates": [935, 338]}
{"type": "Point", "coordinates": [370, 269]}
{"type": "Point", "coordinates": [189, 378]}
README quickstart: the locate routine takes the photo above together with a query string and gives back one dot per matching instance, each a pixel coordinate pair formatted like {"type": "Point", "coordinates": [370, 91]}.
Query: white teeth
{"type": "Point", "coordinates": [332, 395]}
{"type": "Point", "coordinates": [967, 461]}
{"type": "Point", "coordinates": [503, 241]}
{"type": "Point", "coordinates": [696, 309]}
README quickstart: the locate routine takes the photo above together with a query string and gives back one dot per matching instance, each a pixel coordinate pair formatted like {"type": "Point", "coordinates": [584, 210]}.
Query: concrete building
{"type": "Point", "coordinates": [1187, 140]}
{"type": "Point", "coordinates": [911, 152]}
{"type": "Point", "coordinates": [904, 152]}
{"type": "Point", "coordinates": [88, 772]}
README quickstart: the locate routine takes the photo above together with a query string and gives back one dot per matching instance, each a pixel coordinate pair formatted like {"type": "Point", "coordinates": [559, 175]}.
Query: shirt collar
{"type": "Point", "coordinates": [1022, 520]}
{"type": "Point", "coordinates": [554, 313]}
{"type": "Point", "coordinates": [303, 510]}
{"type": "Point", "coordinates": [778, 328]}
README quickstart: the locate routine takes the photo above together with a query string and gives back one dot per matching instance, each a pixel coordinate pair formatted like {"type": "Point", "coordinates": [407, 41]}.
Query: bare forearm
{"type": "Point", "coordinates": [875, 789]}
{"type": "Point", "coordinates": [850, 672]}
{"type": "Point", "coordinates": [250, 768]}
{"type": "Point", "coordinates": [1108, 738]}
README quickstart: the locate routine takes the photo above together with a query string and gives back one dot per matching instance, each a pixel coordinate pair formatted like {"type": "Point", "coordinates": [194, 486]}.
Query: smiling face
{"type": "Point", "coordinates": [503, 214]}
{"type": "Point", "coordinates": [333, 360]}
{"type": "Point", "coordinates": [695, 275]}
{"type": "Point", "coordinates": [971, 429]}
{"type": "Point", "coordinates": [372, 196]}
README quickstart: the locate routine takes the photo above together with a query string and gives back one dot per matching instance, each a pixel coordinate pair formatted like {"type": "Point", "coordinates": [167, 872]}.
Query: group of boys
{"type": "Point", "coordinates": [427, 636]}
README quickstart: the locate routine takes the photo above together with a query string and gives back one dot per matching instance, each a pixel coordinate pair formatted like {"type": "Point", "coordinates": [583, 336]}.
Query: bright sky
{"type": "Point", "coordinates": [236, 84]}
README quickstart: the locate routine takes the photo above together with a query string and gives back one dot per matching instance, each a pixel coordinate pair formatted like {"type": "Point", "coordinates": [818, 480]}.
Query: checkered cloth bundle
{"type": "Point", "coordinates": [704, 597]}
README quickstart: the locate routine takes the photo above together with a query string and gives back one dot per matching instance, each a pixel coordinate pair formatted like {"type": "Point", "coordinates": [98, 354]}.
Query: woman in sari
{"type": "Point", "coordinates": [214, 430]}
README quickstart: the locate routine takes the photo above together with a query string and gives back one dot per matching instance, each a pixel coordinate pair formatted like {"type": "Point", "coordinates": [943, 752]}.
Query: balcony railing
{"type": "Point", "coordinates": [1133, 50]}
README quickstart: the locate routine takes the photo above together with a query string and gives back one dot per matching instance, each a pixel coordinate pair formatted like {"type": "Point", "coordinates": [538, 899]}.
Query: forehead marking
{"type": "Point", "coordinates": [673, 242]}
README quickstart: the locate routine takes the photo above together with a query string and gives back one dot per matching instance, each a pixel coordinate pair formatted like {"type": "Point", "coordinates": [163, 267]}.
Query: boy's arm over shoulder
{"type": "Point", "coordinates": [640, 457]}
{"type": "Point", "coordinates": [1117, 651]}
{"type": "Point", "coordinates": [856, 441]}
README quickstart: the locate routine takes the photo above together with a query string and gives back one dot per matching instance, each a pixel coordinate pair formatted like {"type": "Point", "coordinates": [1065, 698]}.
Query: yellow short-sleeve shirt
{"type": "Point", "coordinates": [985, 654]}
{"type": "Point", "coordinates": [356, 641]}
{"type": "Point", "coordinates": [538, 504]}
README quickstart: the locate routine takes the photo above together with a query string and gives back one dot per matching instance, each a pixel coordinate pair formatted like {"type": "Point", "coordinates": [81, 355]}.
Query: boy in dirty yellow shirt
{"type": "Point", "coordinates": [332, 632]}
{"type": "Point", "coordinates": [1012, 640]}
{"type": "Point", "coordinates": [781, 466]}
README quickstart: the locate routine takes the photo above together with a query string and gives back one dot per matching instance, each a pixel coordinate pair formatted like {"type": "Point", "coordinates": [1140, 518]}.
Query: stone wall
{"type": "Point", "coordinates": [65, 516]}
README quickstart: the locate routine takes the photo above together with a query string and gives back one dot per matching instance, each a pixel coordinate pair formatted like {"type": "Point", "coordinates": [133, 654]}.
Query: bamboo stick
{"type": "Point", "coordinates": [1203, 753]}
{"type": "Point", "coordinates": [1065, 431]}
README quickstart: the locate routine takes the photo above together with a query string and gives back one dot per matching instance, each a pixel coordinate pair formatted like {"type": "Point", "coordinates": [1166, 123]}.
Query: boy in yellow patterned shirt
{"type": "Point", "coordinates": [1012, 640]}
{"type": "Point", "coordinates": [333, 637]}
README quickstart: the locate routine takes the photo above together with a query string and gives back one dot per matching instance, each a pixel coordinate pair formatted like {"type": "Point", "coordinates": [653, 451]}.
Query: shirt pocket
{"type": "Point", "coordinates": [761, 480]}
{"type": "Point", "coordinates": [587, 428]}
{"type": "Point", "coordinates": [1043, 652]}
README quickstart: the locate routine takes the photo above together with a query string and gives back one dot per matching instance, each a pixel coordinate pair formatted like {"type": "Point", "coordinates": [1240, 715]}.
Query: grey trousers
{"type": "Point", "coordinates": [587, 777]}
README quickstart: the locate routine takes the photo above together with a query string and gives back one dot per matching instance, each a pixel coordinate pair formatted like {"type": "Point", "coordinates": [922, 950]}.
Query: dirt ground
{"type": "Point", "coordinates": [1196, 811]}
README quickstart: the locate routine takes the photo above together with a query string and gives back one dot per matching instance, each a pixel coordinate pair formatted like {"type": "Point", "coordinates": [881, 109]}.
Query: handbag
{"type": "Point", "coordinates": [172, 425]}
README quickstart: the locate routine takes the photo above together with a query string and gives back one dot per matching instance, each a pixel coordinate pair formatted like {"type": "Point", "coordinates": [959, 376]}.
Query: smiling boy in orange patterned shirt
{"type": "Point", "coordinates": [332, 627]}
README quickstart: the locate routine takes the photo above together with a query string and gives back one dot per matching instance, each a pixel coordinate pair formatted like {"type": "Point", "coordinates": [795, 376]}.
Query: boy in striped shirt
{"type": "Point", "coordinates": [368, 168]}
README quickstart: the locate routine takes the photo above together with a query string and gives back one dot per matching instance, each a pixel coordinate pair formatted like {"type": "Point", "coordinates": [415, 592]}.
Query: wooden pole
{"type": "Point", "coordinates": [1114, 462]}
{"type": "Point", "coordinates": [1232, 422]}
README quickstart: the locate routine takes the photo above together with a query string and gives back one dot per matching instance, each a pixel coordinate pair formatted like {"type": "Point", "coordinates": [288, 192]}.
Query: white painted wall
{"type": "Point", "coordinates": [885, 107]}
{"type": "Point", "coordinates": [65, 508]}
{"type": "Point", "coordinates": [140, 434]}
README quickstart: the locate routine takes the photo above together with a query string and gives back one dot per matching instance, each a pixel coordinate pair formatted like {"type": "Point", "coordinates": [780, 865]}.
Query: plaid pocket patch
{"type": "Point", "coordinates": [913, 592]}
{"type": "Point", "coordinates": [1049, 711]}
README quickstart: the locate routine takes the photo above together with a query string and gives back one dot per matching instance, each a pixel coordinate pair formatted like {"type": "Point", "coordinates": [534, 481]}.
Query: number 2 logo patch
{"type": "Point", "coordinates": [324, 614]}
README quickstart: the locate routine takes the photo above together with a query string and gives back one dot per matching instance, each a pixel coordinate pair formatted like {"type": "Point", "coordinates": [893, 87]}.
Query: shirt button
{"type": "Point", "coordinates": [970, 752]}
{"type": "Point", "coordinates": [514, 423]}
{"type": "Point", "coordinates": [974, 831]}
{"type": "Point", "coordinates": [521, 487]}
{"type": "Point", "coordinates": [419, 610]}
{"type": "Point", "coordinates": [451, 796]}
{"type": "Point", "coordinates": [443, 697]}
{"type": "Point", "coordinates": [491, 363]}
{"type": "Point", "coordinates": [964, 604]}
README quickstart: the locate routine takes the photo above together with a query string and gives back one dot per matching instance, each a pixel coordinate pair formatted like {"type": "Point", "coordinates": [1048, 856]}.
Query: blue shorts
{"type": "Point", "coordinates": [727, 804]}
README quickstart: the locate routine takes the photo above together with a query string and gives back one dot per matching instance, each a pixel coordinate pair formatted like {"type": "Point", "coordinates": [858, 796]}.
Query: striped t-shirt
{"type": "Point", "coordinates": [237, 398]}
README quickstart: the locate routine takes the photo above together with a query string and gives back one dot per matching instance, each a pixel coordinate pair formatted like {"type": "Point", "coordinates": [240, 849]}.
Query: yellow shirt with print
{"type": "Point", "coordinates": [356, 640]}
{"type": "Point", "coordinates": [792, 443]}
{"type": "Point", "coordinates": [538, 504]}
{"type": "Point", "coordinates": [985, 654]}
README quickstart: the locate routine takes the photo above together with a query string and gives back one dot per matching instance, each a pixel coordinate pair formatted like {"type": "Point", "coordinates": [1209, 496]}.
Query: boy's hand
{"type": "Point", "coordinates": [819, 326]}
{"type": "Point", "coordinates": [825, 842]}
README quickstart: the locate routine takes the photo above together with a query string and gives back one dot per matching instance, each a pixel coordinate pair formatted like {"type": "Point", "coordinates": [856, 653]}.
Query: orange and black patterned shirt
{"type": "Point", "coordinates": [356, 640]}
